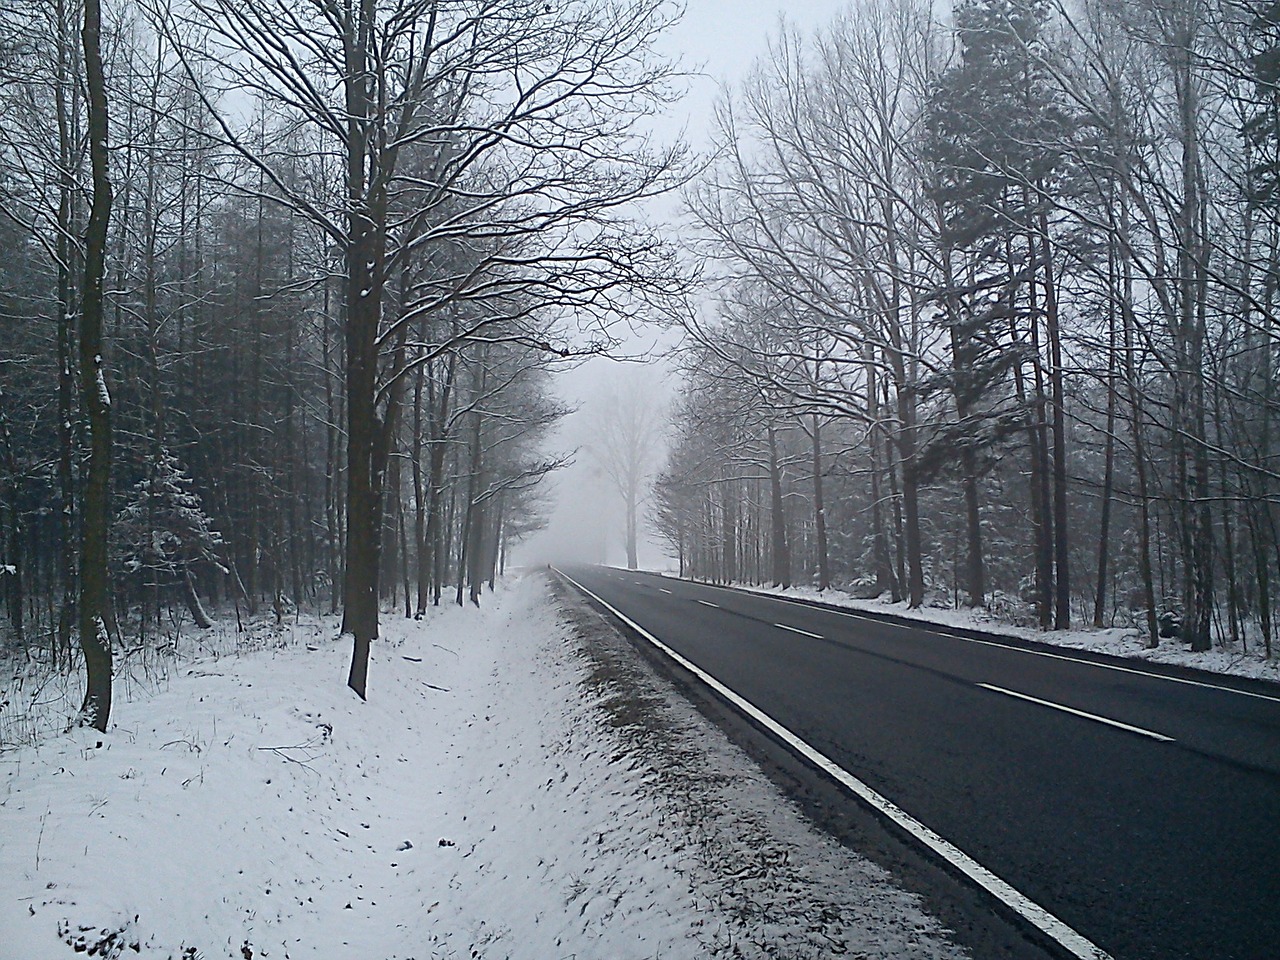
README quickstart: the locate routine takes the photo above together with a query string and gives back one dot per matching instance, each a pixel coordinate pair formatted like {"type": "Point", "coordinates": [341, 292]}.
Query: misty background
{"type": "Point", "coordinates": [717, 43]}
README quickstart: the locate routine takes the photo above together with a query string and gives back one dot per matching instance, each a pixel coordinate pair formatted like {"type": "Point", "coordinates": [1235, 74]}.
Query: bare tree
{"type": "Point", "coordinates": [505, 129]}
{"type": "Point", "coordinates": [95, 596]}
{"type": "Point", "coordinates": [625, 443]}
{"type": "Point", "coordinates": [992, 265]}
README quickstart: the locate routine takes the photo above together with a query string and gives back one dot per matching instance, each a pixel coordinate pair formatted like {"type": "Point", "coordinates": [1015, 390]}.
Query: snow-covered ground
{"type": "Point", "coordinates": [516, 786]}
{"type": "Point", "coordinates": [1117, 641]}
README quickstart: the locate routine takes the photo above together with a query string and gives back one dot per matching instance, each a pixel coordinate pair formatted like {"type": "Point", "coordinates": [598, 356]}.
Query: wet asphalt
{"type": "Point", "coordinates": [1140, 805]}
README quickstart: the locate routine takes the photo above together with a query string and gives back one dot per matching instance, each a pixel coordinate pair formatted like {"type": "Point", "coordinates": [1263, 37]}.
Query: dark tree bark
{"type": "Point", "coordinates": [1137, 415]}
{"type": "Point", "coordinates": [781, 552]}
{"type": "Point", "coordinates": [1034, 403]}
{"type": "Point", "coordinates": [962, 353]}
{"type": "Point", "coordinates": [478, 511]}
{"type": "Point", "coordinates": [728, 526]}
{"type": "Point", "coordinates": [67, 228]}
{"type": "Point", "coordinates": [910, 483]}
{"type": "Point", "coordinates": [192, 599]}
{"type": "Point", "coordinates": [421, 548]}
{"type": "Point", "coordinates": [1061, 545]}
{"type": "Point", "coordinates": [96, 514]}
{"type": "Point", "coordinates": [820, 508]}
{"type": "Point", "coordinates": [1109, 455]}
{"type": "Point", "coordinates": [15, 580]}
{"type": "Point", "coordinates": [884, 569]}
{"type": "Point", "coordinates": [365, 256]}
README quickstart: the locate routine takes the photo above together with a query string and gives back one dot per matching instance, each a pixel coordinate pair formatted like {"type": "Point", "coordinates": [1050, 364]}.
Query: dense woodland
{"type": "Point", "coordinates": [987, 311]}
{"type": "Point", "coordinates": [282, 287]}
{"type": "Point", "coordinates": [995, 316]}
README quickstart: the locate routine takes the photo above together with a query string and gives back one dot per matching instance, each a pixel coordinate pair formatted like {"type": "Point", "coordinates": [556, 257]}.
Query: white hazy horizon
{"type": "Point", "coordinates": [718, 41]}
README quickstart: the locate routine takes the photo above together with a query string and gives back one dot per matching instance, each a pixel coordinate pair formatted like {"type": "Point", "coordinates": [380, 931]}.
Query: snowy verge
{"type": "Point", "coordinates": [491, 799]}
{"type": "Point", "coordinates": [1116, 641]}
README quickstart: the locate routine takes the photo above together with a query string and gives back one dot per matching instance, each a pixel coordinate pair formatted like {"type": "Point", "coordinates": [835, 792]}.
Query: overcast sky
{"type": "Point", "coordinates": [724, 37]}
{"type": "Point", "coordinates": [719, 40]}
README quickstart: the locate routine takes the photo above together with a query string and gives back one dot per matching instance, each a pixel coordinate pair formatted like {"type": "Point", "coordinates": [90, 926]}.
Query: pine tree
{"type": "Point", "coordinates": [163, 531]}
{"type": "Point", "coordinates": [995, 130]}
{"type": "Point", "coordinates": [1262, 128]}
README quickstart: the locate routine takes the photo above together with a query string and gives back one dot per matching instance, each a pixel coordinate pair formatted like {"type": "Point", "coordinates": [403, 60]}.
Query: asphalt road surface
{"type": "Point", "coordinates": [1138, 806]}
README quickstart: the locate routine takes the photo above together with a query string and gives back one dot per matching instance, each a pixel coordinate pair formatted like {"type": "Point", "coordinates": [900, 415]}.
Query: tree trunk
{"type": "Point", "coordinates": [781, 554]}
{"type": "Point", "coordinates": [1109, 456]}
{"type": "Point", "coordinates": [962, 358]}
{"type": "Point", "coordinates": [67, 228]}
{"type": "Point", "coordinates": [1042, 474]}
{"type": "Point", "coordinates": [421, 549]}
{"type": "Point", "coordinates": [819, 509]}
{"type": "Point", "coordinates": [910, 484]}
{"type": "Point", "coordinates": [495, 543]}
{"type": "Point", "coordinates": [14, 580]}
{"type": "Point", "coordinates": [1061, 546]}
{"type": "Point", "coordinates": [1139, 444]}
{"type": "Point", "coordinates": [364, 518]}
{"type": "Point", "coordinates": [366, 256]}
{"type": "Point", "coordinates": [632, 556]}
{"type": "Point", "coordinates": [194, 606]}
{"type": "Point", "coordinates": [95, 594]}
{"type": "Point", "coordinates": [884, 570]}
{"type": "Point", "coordinates": [728, 536]}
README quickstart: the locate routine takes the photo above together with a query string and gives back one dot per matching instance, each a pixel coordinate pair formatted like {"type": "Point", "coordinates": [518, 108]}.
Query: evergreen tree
{"type": "Point", "coordinates": [163, 531]}
{"type": "Point", "coordinates": [994, 125]}
{"type": "Point", "coordinates": [1262, 127]}
{"type": "Point", "coordinates": [994, 148]}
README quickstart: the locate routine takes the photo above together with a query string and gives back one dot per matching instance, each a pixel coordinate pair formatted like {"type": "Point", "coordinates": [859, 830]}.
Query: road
{"type": "Point", "coordinates": [1138, 806]}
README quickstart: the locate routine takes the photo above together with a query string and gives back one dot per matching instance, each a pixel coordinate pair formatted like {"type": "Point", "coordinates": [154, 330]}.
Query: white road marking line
{"type": "Point", "coordinates": [1079, 713]}
{"type": "Point", "coordinates": [816, 636]}
{"type": "Point", "coordinates": [941, 630]}
{"type": "Point", "coordinates": [664, 590]}
{"type": "Point", "coordinates": [708, 603]}
{"type": "Point", "coordinates": [1119, 669]}
{"type": "Point", "coordinates": [1074, 943]}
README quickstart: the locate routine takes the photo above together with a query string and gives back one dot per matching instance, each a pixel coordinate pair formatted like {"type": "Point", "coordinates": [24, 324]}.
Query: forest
{"type": "Point", "coordinates": [976, 307]}
{"type": "Point", "coordinates": [994, 317]}
{"type": "Point", "coordinates": [282, 289]}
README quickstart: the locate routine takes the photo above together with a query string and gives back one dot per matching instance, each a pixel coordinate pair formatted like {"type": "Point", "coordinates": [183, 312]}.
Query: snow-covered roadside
{"type": "Point", "coordinates": [496, 797]}
{"type": "Point", "coordinates": [1117, 641]}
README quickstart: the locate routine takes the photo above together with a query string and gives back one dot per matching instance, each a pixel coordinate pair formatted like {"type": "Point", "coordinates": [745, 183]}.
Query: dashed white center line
{"type": "Point", "coordinates": [941, 630]}
{"type": "Point", "coordinates": [806, 633]}
{"type": "Point", "coordinates": [664, 590]}
{"type": "Point", "coordinates": [1072, 941]}
{"type": "Point", "coordinates": [1079, 713]}
{"type": "Point", "coordinates": [708, 603]}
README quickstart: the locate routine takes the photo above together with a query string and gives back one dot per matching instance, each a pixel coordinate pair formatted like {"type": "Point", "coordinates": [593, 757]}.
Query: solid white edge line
{"type": "Point", "coordinates": [816, 636]}
{"type": "Point", "coordinates": [1074, 943]}
{"type": "Point", "coordinates": [1079, 713]}
{"type": "Point", "coordinates": [941, 630]}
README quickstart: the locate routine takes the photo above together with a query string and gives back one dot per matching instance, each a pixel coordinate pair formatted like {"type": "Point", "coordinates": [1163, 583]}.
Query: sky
{"type": "Point", "coordinates": [722, 38]}
{"type": "Point", "coordinates": [716, 42]}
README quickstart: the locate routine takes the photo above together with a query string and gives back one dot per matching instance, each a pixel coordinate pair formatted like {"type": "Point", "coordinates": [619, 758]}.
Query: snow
{"type": "Point", "coordinates": [511, 789]}
{"type": "Point", "coordinates": [1117, 641]}
{"type": "Point", "coordinates": [104, 395]}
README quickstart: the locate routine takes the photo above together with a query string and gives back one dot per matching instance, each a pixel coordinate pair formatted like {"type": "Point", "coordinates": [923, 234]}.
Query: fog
{"type": "Point", "coordinates": [717, 42]}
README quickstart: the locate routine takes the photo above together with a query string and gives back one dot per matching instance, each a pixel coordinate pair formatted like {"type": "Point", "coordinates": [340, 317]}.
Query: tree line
{"type": "Point", "coordinates": [282, 286]}
{"type": "Point", "coordinates": [995, 316]}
